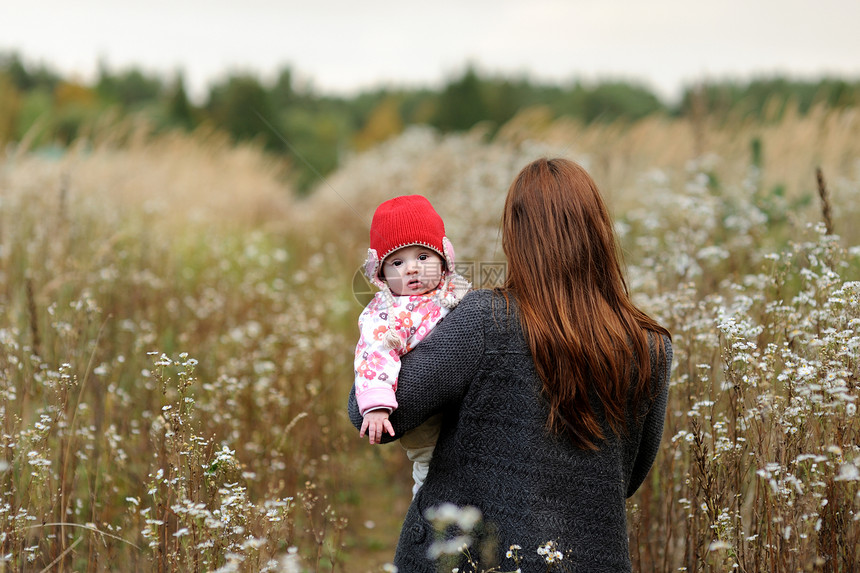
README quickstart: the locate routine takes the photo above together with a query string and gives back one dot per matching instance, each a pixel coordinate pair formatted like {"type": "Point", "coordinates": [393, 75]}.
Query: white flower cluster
{"type": "Point", "coordinates": [549, 551]}
{"type": "Point", "coordinates": [466, 518]}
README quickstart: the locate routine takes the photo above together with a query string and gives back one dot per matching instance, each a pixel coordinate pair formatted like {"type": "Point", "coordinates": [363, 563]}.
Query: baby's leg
{"type": "Point", "coordinates": [420, 464]}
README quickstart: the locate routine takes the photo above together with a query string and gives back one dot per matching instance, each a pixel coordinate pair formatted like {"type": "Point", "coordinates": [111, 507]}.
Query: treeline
{"type": "Point", "coordinates": [40, 106]}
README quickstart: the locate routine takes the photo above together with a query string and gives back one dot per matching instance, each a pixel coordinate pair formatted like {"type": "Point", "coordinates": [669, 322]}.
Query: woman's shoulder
{"type": "Point", "coordinates": [660, 345]}
{"type": "Point", "coordinates": [476, 298]}
{"type": "Point", "coordinates": [488, 302]}
{"type": "Point", "coordinates": [496, 312]}
{"type": "Point", "coordinates": [661, 348]}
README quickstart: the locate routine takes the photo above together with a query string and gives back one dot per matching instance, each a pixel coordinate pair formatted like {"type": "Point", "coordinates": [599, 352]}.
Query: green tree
{"type": "Point", "coordinates": [26, 77]}
{"type": "Point", "coordinates": [611, 101]}
{"type": "Point", "coordinates": [10, 106]}
{"type": "Point", "coordinates": [131, 88]}
{"type": "Point", "coordinates": [313, 139]}
{"type": "Point", "coordinates": [37, 114]}
{"type": "Point", "coordinates": [179, 110]}
{"type": "Point", "coordinates": [505, 98]}
{"type": "Point", "coordinates": [462, 103]}
{"type": "Point", "coordinates": [282, 94]}
{"type": "Point", "coordinates": [237, 105]}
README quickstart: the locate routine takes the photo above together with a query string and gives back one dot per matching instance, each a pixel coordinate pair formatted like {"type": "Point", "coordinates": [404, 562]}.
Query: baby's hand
{"type": "Point", "coordinates": [375, 424]}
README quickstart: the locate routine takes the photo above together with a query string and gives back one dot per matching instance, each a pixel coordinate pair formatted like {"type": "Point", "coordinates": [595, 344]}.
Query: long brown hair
{"type": "Point", "coordinates": [586, 336]}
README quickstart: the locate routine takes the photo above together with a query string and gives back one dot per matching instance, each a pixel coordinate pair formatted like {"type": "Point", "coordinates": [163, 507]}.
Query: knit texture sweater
{"type": "Point", "coordinates": [495, 453]}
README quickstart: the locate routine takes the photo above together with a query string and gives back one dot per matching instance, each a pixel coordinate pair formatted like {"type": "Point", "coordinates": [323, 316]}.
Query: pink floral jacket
{"type": "Point", "coordinates": [376, 365]}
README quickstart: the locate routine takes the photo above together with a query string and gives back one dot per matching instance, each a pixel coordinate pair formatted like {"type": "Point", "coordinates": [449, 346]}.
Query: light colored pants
{"type": "Point", "coordinates": [420, 464]}
{"type": "Point", "coordinates": [419, 444]}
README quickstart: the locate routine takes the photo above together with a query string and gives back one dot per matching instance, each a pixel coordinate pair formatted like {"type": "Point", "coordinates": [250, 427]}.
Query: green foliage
{"type": "Point", "coordinates": [506, 98]}
{"type": "Point", "coordinates": [37, 105]}
{"type": "Point", "coordinates": [470, 99]}
{"type": "Point", "coordinates": [179, 110]}
{"type": "Point", "coordinates": [462, 103]}
{"type": "Point", "coordinates": [67, 123]}
{"type": "Point", "coordinates": [767, 98]}
{"type": "Point", "coordinates": [130, 89]}
{"type": "Point", "coordinates": [313, 141]}
{"type": "Point", "coordinates": [28, 77]}
{"type": "Point", "coordinates": [10, 102]}
{"type": "Point", "coordinates": [236, 105]}
{"type": "Point", "coordinates": [282, 94]}
{"type": "Point", "coordinates": [314, 130]}
{"type": "Point", "coordinates": [617, 100]}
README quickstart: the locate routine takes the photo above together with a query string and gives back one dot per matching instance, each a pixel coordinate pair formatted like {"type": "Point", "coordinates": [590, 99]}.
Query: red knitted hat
{"type": "Point", "coordinates": [406, 221]}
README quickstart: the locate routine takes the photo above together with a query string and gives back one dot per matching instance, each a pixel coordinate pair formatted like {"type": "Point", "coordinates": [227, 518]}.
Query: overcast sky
{"type": "Point", "coordinates": [345, 46]}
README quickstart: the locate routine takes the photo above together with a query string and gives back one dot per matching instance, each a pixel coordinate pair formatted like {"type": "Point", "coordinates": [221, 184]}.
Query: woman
{"type": "Point", "coordinates": [553, 389]}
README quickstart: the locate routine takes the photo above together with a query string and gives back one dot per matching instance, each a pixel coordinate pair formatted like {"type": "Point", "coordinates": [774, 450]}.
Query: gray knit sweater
{"type": "Point", "coordinates": [495, 454]}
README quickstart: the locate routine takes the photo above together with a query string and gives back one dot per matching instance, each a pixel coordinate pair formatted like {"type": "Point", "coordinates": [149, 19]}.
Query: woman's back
{"type": "Point", "coordinates": [496, 453]}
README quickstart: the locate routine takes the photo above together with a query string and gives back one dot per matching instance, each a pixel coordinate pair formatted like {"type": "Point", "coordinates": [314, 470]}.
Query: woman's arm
{"type": "Point", "coordinates": [652, 428]}
{"type": "Point", "coordinates": [437, 371]}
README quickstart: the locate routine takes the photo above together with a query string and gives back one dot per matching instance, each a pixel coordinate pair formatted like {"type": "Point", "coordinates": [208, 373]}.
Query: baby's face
{"type": "Point", "coordinates": [412, 270]}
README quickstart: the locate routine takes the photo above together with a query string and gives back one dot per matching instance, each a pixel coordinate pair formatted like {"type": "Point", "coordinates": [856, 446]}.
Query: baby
{"type": "Point", "coordinates": [411, 261]}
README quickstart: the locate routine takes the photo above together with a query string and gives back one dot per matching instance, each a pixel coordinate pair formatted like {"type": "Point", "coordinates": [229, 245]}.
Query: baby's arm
{"type": "Point", "coordinates": [375, 424]}
{"type": "Point", "coordinates": [376, 365]}
{"type": "Point", "coordinates": [437, 372]}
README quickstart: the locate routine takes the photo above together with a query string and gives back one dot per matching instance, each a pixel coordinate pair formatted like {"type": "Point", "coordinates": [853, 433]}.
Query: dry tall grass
{"type": "Point", "coordinates": [169, 397]}
{"type": "Point", "coordinates": [619, 156]}
{"type": "Point", "coordinates": [177, 333]}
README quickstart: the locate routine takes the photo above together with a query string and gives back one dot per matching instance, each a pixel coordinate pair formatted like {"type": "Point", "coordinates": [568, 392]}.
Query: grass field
{"type": "Point", "coordinates": [177, 333]}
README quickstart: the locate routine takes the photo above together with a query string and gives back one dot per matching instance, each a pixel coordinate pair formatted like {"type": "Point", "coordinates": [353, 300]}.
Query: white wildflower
{"type": "Point", "coordinates": [848, 472]}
